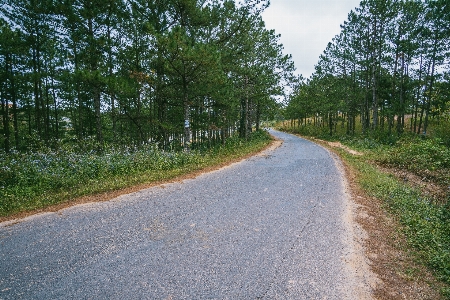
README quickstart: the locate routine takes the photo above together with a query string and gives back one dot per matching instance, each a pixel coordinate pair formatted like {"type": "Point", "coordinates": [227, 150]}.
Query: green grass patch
{"type": "Point", "coordinates": [428, 158]}
{"type": "Point", "coordinates": [425, 224]}
{"type": "Point", "coordinates": [30, 181]}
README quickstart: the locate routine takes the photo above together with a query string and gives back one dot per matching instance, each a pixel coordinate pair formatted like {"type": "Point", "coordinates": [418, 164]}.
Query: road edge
{"type": "Point", "coordinates": [110, 195]}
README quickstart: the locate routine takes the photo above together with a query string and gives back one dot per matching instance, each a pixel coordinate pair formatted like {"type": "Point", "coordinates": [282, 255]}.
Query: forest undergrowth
{"type": "Point", "coordinates": [410, 174]}
{"type": "Point", "coordinates": [38, 179]}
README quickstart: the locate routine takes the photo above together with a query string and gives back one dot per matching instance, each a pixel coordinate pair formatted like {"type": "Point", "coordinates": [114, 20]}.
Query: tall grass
{"type": "Point", "coordinates": [39, 179]}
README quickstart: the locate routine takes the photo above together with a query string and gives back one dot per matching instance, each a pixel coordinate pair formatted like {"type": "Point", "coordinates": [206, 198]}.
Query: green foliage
{"type": "Point", "coordinates": [425, 224]}
{"type": "Point", "coordinates": [383, 137]}
{"type": "Point", "coordinates": [387, 65]}
{"type": "Point", "coordinates": [309, 130]}
{"type": "Point", "coordinates": [134, 72]}
{"type": "Point", "coordinates": [442, 131]}
{"type": "Point", "coordinates": [372, 139]}
{"type": "Point", "coordinates": [418, 154]}
{"type": "Point", "coordinates": [38, 179]}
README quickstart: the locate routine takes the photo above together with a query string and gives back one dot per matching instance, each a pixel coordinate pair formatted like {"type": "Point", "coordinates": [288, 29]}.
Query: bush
{"type": "Point", "coordinates": [383, 137]}
{"type": "Point", "coordinates": [309, 130]}
{"type": "Point", "coordinates": [419, 154]}
{"type": "Point", "coordinates": [442, 132]}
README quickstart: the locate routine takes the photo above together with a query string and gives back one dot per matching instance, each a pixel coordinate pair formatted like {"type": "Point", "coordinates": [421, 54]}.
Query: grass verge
{"type": "Point", "coordinates": [420, 218]}
{"type": "Point", "coordinates": [35, 182]}
{"type": "Point", "coordinates": [422, 224]}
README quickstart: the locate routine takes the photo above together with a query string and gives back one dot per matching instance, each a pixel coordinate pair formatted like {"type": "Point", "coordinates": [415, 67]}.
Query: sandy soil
{"type": "Point", "coordinates": [381, 252]}
{"type": "Point", "coordinates": [365, 280]}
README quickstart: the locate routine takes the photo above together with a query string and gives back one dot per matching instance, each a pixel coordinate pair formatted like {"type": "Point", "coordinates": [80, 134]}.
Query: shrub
{"type": "Point", "coordinates": [419, 154]}
{"type": "Point", "coordinates": [442, 132]}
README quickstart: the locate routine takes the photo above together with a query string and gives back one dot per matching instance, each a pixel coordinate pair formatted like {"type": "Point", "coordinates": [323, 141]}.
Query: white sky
{"type": "Point", "coordinates": [306, 27]}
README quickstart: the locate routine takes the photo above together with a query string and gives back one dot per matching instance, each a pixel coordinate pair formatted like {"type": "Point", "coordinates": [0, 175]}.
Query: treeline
{"type": "Point", "coordinates": [386, 71]}
{"type": "Point", "coordinates": [127, 72]}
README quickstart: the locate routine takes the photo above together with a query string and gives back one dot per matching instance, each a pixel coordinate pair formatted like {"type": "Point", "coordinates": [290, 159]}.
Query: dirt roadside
{"type": "Point", "coordinates": [397, 274]}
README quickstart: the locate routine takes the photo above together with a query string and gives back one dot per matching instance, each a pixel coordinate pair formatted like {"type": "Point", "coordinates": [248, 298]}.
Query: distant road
{"type": "Point", "coordinates": [270, 227]}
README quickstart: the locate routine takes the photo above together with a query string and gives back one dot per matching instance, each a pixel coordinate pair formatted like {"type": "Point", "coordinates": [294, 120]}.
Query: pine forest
{"type": "Point", "coordinates": [175, 73]}
{"type": "Point", "coordinates": [386, 72]}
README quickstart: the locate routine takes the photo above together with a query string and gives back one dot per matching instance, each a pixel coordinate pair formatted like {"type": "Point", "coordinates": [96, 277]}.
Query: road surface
{"type": "Point", "coordinates": [271, 227]}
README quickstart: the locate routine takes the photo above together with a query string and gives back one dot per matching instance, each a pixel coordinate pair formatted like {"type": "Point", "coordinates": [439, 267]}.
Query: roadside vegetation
{"type": "Point", "coordinates": [128, 72]}
{"type": "Point", "coordinates": [381, 87]}
{"type": "Point", "coordinates": [411, 175]}
{"type": "Point", "coordinates": [101, 95]}
{"type": "Point", "coordinates": [35, 180]}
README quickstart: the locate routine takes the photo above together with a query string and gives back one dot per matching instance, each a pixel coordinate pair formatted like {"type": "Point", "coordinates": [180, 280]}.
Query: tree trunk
{"type": "Point", "coordinates": [111, 90]}
{"type": "Point", "coordinates": [14, 107]}
{"type": "Point", "coordinates": [430, 89]}
{"type": "Point", "coordinates": [416, 110]}
{"type": "Point", "coordinates": [37, 111]}
{"type": "Point", "coordinates": [95, 87]}
{"type": "Point", "coordinates": [79, 116]}
{"type": "Point", "coordinates": [394, 86]}
{"type": "Point", "coordinates": [330, 122]}
{"type": "Point", "coordinates": [47, 114]}
{"type": "Point", "coordinates": [243, 128]}
{"type": "Point", "coordinates": [56, 111]}
{"type": "Point", "coordinates": [401, 113]}
{"type": "Point", "coordinates": [187, 126]}
{"type": "Point", "coordinates": [374, 83]}
{"type": "Point", "coordinates": [5, 115]}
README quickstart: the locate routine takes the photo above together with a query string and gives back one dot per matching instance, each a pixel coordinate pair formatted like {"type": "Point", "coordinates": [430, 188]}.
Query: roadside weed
{"type": "Point", "coordinates": [38, 179]}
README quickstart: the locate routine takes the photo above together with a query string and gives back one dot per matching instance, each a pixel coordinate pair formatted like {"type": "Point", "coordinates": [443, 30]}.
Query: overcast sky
{"type": "Point", "coordinates": [306, 27]}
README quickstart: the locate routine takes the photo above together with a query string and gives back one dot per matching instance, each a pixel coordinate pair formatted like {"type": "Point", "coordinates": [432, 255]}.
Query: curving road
{"type": "Point", "coordinates": [270, 227]}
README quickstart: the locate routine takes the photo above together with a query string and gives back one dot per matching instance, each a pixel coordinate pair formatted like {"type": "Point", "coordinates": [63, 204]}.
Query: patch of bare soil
{"type": "Point", "coordinates": [365, 281]}
{"type": "Point", "coordinates": [398, 275]}
{"type": "Point", "coordinates": [339, 145]}
{"type": "Point", "coordinates": [106, 196]}
{"type": "Point", "coordinates": [274, 145]}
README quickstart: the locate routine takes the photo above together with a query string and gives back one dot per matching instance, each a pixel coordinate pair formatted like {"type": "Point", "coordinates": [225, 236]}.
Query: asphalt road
{"type": "Point", "coordinates": [270, 227]}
